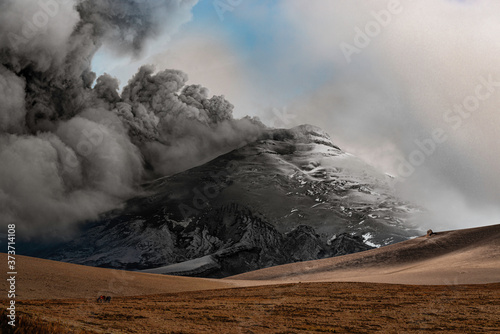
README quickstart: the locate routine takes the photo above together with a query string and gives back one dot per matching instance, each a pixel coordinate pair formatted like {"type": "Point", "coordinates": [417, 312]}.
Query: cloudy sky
{"type": "Point", "coordinates": [412, 87]}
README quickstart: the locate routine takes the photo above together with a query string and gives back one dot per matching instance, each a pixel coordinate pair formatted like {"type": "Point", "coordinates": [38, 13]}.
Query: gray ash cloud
{"type": "Point", "coordinates": [73, 146]}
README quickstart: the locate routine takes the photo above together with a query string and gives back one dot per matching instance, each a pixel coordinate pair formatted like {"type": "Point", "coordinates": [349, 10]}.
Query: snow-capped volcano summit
{"type": "Point", "coordinates": [292, 195]}
{"type": "Point", "coordinates": [307, 134]}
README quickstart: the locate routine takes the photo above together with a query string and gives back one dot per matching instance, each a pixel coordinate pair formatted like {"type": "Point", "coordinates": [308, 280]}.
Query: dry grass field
{"type": "Point", "coordinates": [286, 308]}
{"type": "Point", "coordinates": [446, 283]}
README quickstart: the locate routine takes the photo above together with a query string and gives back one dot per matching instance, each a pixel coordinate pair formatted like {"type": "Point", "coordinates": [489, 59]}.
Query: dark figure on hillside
{"type": "Point", "coordinates": [429, 233]}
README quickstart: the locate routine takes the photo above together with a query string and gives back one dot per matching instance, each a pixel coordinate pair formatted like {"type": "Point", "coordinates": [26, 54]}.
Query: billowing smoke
{"type": "Point", "coordinates": [429, 66]}
{"type": "Point", "coordinates": [178, 126]}
{"type": "Point", "coordinates": [72, 146]}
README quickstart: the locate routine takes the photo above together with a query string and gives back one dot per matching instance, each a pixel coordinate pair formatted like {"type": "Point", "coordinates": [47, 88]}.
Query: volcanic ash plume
{"type": "Point", "coordinates": [72, 146]}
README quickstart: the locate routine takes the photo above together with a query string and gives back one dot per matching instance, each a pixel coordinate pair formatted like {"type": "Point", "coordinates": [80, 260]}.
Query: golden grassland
{"type": "Point", "coordinates": [305, 297]}
{"type": "Point", "coordinates": [286, 308]}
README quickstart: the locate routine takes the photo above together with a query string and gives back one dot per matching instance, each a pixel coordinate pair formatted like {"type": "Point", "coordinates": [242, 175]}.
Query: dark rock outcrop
{"type": "Point", "coordinates": [226, 241]}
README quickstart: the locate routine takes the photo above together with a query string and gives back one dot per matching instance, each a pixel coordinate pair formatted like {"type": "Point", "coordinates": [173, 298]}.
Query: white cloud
{"type": "Point", "coordinates": [396, 90]}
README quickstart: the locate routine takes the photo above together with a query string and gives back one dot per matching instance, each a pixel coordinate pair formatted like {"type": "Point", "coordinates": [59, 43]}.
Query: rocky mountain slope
{"type": "Point", "coordinates": [291, 196]}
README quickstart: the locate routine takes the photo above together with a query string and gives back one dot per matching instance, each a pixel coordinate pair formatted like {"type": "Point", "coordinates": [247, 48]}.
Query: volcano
{"type": "Point", "coordinates": [290, 196]}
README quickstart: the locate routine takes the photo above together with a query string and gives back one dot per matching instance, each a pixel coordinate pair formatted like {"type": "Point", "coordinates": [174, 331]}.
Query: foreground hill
{"type": "Point", "coordinates": [290, 196]}
{"type": "Point", "coordinates": [45, 279]}
{"type": "Point", "coordinates": [469, 256]}
{"type": "Point", "coordinates": [148, 303]}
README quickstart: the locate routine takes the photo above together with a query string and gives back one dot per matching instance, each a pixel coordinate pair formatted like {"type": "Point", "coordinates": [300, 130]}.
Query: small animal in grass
{"type": "Point", "coordinates": [104, 299]}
